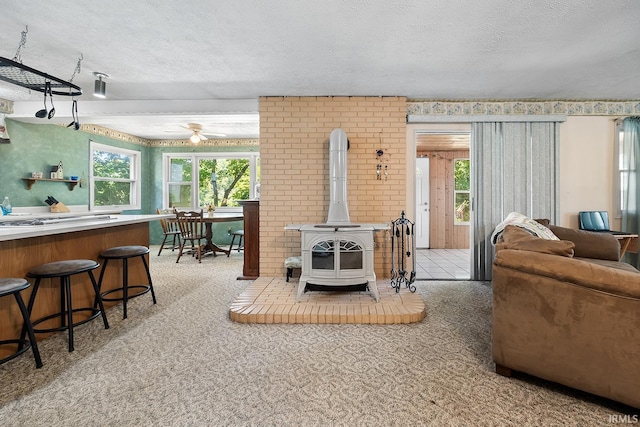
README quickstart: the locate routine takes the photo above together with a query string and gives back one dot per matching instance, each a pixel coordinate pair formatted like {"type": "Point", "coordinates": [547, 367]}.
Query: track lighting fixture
{"type": "Point", "coordinates": [100, 88]}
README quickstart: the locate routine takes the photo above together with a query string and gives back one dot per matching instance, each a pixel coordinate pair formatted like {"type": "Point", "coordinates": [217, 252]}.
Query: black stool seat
{"type": "Point", "coordinates": [13, 287]}
{"type": "Point", "coordinates": [125, 253]}
{"type": "Point", "coordinates": [121, 252]}
{"type": "Point", "coordinates": [64, 270]}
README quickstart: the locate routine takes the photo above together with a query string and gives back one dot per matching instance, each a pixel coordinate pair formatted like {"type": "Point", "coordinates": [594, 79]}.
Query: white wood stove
{"type": "Point", "coordinates": [338, 253]}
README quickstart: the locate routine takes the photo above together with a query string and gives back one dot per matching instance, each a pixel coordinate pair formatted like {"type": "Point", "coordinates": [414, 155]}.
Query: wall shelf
{"type": "Point", "coordinates": [31, 181]}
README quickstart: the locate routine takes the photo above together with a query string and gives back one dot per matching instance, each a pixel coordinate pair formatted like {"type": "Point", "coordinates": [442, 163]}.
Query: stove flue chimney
{"type": "Point", "coordinates": [338, 210]}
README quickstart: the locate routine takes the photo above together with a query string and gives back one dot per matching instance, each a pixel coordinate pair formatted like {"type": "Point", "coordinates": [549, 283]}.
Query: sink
{"type": "Point", "coordinates": [21, 223]}
{"type": "Point", "coordinates": [52, 220]}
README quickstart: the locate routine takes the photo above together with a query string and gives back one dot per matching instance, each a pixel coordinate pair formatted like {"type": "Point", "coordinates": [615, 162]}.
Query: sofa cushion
{"type": "Point", "coordinates": [618, 265]}
{"type": "Point", "coordinates": [518, 238]}
{"type": "Point", "coordinates": [590, 244]}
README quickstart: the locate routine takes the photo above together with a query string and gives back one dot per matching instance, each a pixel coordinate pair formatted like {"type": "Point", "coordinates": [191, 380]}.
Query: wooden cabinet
{"type": "Point", "coordinates": [18, 256]}
{"type": "Point", "coordinates": [251, 212]}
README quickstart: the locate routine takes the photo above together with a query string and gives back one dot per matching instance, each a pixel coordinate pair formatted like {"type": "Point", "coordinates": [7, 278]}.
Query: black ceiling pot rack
{"type": "Point", "coordinates": [30, 78]}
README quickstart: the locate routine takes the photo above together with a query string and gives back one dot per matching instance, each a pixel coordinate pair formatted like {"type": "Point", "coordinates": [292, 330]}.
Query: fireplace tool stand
{"type": "Point", "coordinates": [402, 254]}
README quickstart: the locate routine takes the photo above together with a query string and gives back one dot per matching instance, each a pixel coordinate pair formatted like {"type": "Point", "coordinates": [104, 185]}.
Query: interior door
{"type": "Point", "coordinates": [422, 202]}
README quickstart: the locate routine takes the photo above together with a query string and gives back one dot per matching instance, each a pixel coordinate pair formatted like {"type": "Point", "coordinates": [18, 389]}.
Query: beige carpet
{"type": "Point", "coordinates": [183, 362]}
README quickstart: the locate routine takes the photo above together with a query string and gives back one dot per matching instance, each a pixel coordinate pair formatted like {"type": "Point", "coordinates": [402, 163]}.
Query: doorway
{"type": "Point", "coordinates": [422, 203]}
{"type": "Point", "coordinates": [442, 205]}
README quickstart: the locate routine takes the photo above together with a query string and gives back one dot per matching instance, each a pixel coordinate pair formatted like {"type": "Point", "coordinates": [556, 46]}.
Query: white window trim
{"type": "Point", "coordinates": [195, 184]}
{"type": "Point", "coordinates": [135, 180]}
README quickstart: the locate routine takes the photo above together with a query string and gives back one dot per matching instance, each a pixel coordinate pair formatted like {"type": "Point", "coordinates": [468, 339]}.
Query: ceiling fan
{"type": "Point", "coordinates": [196, 133]}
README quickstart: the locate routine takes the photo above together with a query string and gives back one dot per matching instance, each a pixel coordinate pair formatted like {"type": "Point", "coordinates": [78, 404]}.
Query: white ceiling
{"type": "Point", "coordinates": [208, 61]}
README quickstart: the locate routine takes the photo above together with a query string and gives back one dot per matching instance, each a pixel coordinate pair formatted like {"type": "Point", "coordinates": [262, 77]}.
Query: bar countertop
{"type": "Point", "coordinates": [50, 224]}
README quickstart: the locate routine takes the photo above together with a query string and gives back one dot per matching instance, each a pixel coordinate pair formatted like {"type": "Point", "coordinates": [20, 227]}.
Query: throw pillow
{"type": "Point", "coordinates": [590, 244]}
{"type": "Point", "coordinates": [544, 221]}
{"type": "Point", "coordinates": [518, 238]}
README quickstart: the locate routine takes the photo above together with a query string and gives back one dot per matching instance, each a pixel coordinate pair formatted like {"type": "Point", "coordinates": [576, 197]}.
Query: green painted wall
{"type": "Point", "coordinates": [37, 147]}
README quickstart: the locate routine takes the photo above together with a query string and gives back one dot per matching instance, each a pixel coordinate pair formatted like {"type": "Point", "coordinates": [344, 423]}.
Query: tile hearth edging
{"type": "Point", "coordinates": [273, 300]}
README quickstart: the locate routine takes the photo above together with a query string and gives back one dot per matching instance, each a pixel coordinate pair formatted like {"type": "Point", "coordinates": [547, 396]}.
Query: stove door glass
{"type": "Point", "coordinates": [351, 255]}
{"type": "Point", "coordinates": [323, 255]}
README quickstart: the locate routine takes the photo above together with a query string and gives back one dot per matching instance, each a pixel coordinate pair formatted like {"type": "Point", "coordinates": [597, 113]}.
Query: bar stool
{"type": "Point", "coordinates": [125, 253]}
{"type": "Point", "coordinates": [234, 234]}
{"type": "Point", "coordinates": [14, 287]}
{"type": "Point", "coordinates": [64, 270]}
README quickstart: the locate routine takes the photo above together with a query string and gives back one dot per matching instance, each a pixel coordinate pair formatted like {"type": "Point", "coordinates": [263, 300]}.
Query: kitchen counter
{"type": "Point", "coordinates": [68, 236]}
{"type": "Point", "coordinates": [53, 224]}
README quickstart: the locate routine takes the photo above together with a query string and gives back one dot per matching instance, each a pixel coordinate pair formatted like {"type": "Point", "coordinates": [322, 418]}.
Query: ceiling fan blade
{"type": "Point", "coordinates": [202, 137]}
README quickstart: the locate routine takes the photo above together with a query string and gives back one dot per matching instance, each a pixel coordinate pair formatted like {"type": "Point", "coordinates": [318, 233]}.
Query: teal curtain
{"type": "Point", "coordinates": [630, 153]}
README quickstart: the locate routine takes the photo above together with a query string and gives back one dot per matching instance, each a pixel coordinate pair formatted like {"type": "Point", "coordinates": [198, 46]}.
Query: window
{"type": "Point", "coordinates": [222, 180]}
{"type": "Point", "coordinates": [115, 177]}
{"type": "Point", "coordinates": [462, 179]}
{"type": "Point", "coordinates": [622, 170]}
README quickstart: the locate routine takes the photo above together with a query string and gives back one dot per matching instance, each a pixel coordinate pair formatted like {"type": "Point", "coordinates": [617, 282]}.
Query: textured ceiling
{"type": "Point", "coordinates": [235, 51]}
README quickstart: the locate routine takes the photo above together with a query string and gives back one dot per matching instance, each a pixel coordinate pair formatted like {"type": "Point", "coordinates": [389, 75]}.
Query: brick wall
{"type": "Point", "coordinates": [294, 156]}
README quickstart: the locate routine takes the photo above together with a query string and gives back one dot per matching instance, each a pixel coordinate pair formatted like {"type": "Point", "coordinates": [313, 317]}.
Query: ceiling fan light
{"type": "Point", "coordinates": [195, 138]}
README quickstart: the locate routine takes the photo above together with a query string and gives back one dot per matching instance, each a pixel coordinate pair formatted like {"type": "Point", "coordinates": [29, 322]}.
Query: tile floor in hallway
{"type": "Point", "coordinates": [443, 264]}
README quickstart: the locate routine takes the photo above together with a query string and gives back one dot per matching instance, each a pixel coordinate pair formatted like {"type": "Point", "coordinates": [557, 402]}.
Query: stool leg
{"type": "Point", "coordinates": [125, 286]}
{"type": "Point", "coordinates": [32, 299]}
{"type": "Point", "coordinates": [104, 268]}
{"type": "Point", "coordinates": [99, 298]}
{"type": "Point", "coordinates": [146, 268]}
{"type": "Point", "coordinates": [233, 239]}
{"type": "Point", "coordinates": [27, 324]}
{"type": "Point", "coordinates": [240, 243]}
{"type": "Point", "coordinates": [98, 294]}
{"type": "Point", "coordinates": [66, 286]}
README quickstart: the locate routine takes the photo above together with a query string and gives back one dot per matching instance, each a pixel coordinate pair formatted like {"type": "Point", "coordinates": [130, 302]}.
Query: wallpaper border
{"type": "Point", "coordinates": [570, 108]}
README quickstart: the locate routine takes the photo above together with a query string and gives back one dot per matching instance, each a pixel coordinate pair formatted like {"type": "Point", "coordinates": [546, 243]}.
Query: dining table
{"type": "Point", "coordinates": [209, 220]}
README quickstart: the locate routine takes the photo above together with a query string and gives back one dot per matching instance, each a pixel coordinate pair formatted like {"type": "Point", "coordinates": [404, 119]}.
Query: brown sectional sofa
{"type": "Point", "coordinates": [567, 311]}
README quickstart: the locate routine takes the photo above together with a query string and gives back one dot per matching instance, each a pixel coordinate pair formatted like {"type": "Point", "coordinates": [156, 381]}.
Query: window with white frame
{"type": "Point", "coordinates": [193, 181]}
{"type": "Point", "coordinates": [114, 175]}
{"type": "Point", "coordinates": [462, 191]}
{"type": "Point", "coordinates": [621, 168]}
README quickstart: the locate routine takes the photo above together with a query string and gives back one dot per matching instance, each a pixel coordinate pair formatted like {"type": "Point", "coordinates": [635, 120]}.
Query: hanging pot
{"type": "Point", "coordinates": [74, 113]}
{"type": "Point", "coordinates": [41, 114]}
{"type": "Point", "coordinates": [52, 112]}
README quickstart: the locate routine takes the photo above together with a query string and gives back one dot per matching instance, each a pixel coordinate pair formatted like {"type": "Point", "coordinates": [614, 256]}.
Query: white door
{"type": "Point", "coordinates": [422, 202]}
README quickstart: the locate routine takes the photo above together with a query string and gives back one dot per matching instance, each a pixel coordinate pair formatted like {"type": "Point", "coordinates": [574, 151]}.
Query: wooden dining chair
{"type": "Point", "coordinates": [170, 230]}
{"type": "Point", "coordinates": [192, 230]}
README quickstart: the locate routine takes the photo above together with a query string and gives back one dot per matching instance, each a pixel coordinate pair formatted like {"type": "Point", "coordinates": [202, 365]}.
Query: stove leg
{"type": "Point", "coordinates": [302, 284]}
{"type": "Point", "coordinates": [373, 288]}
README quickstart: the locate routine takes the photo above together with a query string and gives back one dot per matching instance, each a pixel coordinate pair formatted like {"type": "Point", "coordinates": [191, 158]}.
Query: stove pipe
{"type": "Point", "coordinates": [338, 211]}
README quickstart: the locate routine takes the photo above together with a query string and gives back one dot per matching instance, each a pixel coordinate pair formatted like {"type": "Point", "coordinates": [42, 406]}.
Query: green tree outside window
{"type": "Point", "coordinates": [462, 188]}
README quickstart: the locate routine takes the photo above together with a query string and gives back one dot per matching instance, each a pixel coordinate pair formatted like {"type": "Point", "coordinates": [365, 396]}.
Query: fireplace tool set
{"type": "Point", "coordinates": [402, 253]}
